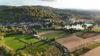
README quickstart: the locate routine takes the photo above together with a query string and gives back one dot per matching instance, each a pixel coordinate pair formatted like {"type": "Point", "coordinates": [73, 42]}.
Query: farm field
{"type": "Point", "coordinates": [19, 42]}
{"type": "Point", "coordinates": [75, 43]}
{"type": "Point", "coordinates": [13, 42]}
{"type": "Point", "coordinates": [54, 34]}
{"type": "Point", "coordinates": [94, 52]}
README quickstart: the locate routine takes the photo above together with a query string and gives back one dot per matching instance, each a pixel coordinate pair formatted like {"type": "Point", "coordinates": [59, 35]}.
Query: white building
{"type": "Point", "coordinates": [77, 27]}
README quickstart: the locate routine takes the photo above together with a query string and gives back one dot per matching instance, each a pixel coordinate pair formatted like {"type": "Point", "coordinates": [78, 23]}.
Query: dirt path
{"type": "Point", "coordinates": [74, 42]}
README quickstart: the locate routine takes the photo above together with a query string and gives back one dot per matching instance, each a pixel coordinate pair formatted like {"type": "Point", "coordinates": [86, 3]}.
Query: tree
{"type": "Point", "coordinates": [85, 27]}
{"type": "Point", "coordinates": [90, 28]}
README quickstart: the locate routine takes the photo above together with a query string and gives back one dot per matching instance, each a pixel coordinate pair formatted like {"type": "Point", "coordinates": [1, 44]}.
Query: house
{"type": "Point", "coordinates": [75, 27]}
{"type": "Point", "coordinates": [78, 26]}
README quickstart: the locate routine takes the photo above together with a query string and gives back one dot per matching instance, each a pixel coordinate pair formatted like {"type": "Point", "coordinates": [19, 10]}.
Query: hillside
{"type": "Point", "coordinates": [33, 13]}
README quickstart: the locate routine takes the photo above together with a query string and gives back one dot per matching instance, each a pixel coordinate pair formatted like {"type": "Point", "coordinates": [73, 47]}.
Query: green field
{"type": "Point", "coordinates": [55, 34]}
{"type": "Point", "coordinates": [13, 42]}
{"type": "Point", "coordinates": [17, 42]}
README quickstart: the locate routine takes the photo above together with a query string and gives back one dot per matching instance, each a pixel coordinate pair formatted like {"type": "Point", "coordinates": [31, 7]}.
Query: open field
{"type": "Point", "coordinates": [96, 29]}
{"type": "Point", "coordinates": [74, 42]}
{"type": "Point", "coordinates": [19, 42]}
{"type": "Point", "coordinates": [94, 52]}
{"type": "Point", "coordinates": [13, 42]}
{"type": "Point", "coordinates": [54, 34]}
{"type": "Point", "coordinates": [30, 45]}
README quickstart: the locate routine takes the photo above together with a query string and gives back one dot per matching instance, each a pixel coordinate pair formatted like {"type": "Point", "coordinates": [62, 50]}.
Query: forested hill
{"type": "Point", "coordinates": [32, 13]}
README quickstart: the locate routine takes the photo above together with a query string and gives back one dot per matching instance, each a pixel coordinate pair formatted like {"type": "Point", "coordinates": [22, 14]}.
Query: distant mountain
{"type": "Point", "coordinates": [34, 13]}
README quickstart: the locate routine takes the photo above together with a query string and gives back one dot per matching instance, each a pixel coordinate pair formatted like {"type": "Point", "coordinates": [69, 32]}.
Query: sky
{"type": "Point", "coordinates": [63, 4]}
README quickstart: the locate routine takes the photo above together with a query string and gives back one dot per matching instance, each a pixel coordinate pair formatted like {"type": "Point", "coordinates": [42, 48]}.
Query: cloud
{"type": "Point", "coordinates": [48, 0]}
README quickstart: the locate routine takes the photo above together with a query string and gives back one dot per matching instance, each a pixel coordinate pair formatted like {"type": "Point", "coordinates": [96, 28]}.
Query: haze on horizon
{"type": "Point", "coordinates": [62, 4]}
